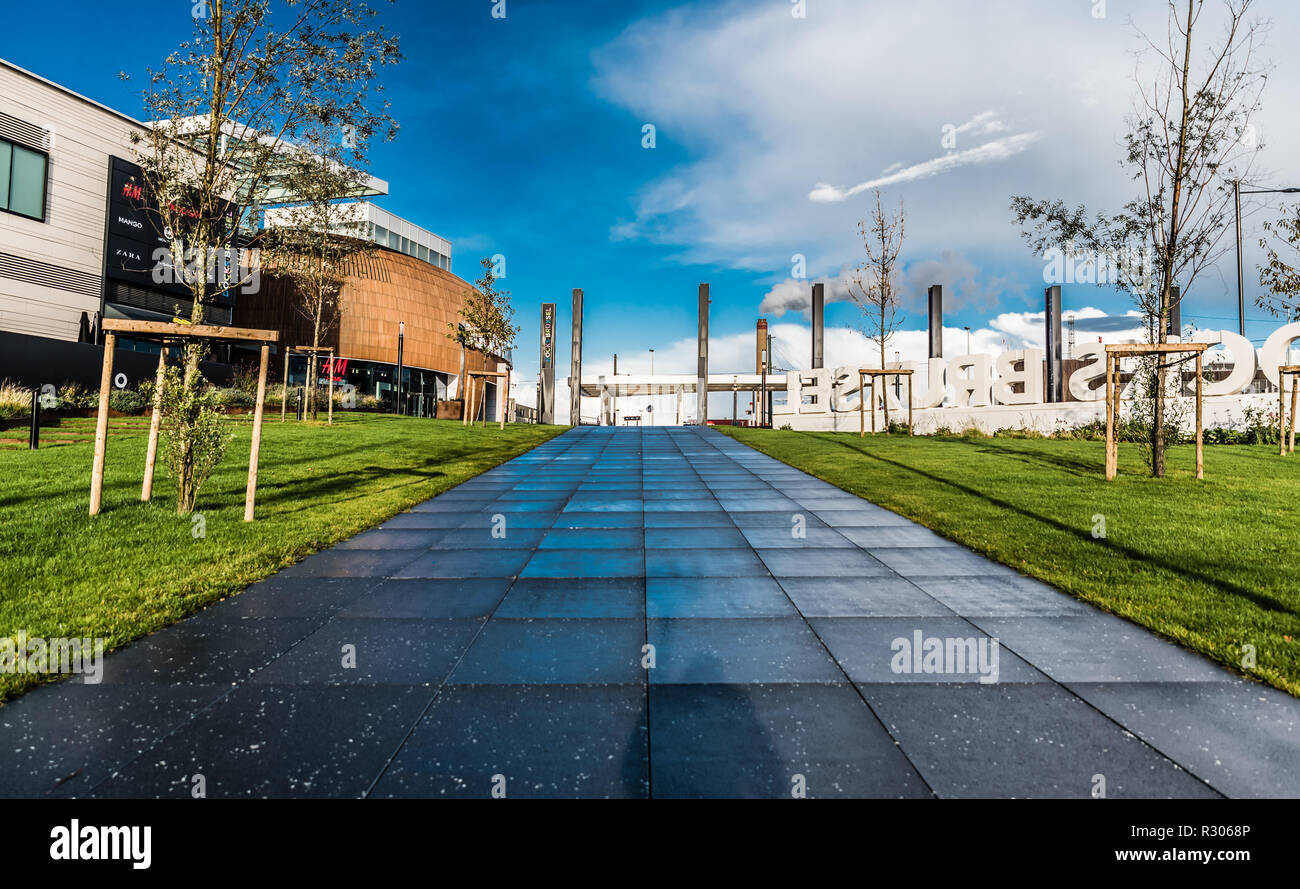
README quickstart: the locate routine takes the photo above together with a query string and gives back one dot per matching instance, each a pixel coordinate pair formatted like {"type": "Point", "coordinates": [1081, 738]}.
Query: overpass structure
{"type": "Point", "coordinates": [611, 389]}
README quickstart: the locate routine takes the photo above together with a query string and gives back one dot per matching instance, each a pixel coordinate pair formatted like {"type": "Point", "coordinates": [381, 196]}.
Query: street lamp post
{"type": "Point", "coordinates": [401, 338]}
{"type": "Point", "coordinates": [1241, 289]}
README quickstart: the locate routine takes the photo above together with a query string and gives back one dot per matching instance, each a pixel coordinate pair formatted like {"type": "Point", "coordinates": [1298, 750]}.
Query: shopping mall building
{"type": "Point", "coordinates": [76, 247]}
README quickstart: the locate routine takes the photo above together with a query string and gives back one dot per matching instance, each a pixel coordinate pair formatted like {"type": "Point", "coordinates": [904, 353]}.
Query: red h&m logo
{"type": "Point", "coordinates": [334, 368]}
{"type": "Point", "coordinates": [132, 191]}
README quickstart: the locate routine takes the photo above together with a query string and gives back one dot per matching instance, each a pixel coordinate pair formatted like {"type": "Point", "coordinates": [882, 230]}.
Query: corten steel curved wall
{"type": "Point", "coordinates": [383, 289]}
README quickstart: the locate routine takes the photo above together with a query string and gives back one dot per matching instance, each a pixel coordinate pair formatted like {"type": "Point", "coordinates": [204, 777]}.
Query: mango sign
{"type": "Point", "coordinates": [986, 380]}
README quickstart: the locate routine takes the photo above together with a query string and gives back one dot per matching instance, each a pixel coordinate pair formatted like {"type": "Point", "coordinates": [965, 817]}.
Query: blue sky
{"type": "Point", "coordinates": [523, 136]}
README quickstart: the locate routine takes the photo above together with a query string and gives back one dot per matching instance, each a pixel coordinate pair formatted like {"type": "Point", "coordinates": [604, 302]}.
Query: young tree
{"type": "Point", "coordinates": [874, 283]}
{"type": "Point", "coordinates": [485, 322]}
{"type": "Point", "coordinates": [315, 241]}
{"type": "Point", "coordinates": [1279, 277]}
{"type": "Point", "coordinates": [221, 111]}
{"type": "Point", "coordinates": [1189, 136]}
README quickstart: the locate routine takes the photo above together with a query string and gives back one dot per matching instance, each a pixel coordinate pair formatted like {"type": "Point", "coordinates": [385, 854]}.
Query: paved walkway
{"type": "Point", "coordinates": [498, 633]}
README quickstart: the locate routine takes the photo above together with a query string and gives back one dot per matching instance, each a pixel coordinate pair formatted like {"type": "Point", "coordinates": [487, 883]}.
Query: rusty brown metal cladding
{"type": "Point", "coordinates": [382, 290]}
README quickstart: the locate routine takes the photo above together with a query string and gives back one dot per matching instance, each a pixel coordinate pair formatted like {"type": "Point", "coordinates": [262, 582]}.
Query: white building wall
{"type": "Point", "coordinates": [82, 136]}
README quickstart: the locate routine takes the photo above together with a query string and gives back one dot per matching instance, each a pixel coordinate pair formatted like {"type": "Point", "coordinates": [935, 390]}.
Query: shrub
{"type": "Point", "coordinates": [126, 401]}
{"type": "Point", "coordinates": [234, 397]}
{"type": "Point", "coordinates": [15, 400]}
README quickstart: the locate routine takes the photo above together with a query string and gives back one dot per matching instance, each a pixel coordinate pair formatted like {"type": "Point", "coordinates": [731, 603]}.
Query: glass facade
{"type": "Point", "coordinates": [421, 388]}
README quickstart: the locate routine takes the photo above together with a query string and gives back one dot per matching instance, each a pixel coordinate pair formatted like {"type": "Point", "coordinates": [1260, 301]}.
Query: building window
{"type": "Point", "coordinates": [394, 240]}
{"type": "Point", "coordinates": [424, 253]}
{"type": "Point", "coordinates": [381, 235]}
{"type": "Point", "coordinates": [22, 180]}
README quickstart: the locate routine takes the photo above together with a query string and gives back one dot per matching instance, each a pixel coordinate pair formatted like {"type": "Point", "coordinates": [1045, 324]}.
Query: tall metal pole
{"type": "Point", "coordinates": [575, 362]}
{"type": "Point", "coordinates": [401, 338]}
{"type": "Point", "coordinates": [702, 363]}
{"type": "Point", "coordinates": [1241, 288]}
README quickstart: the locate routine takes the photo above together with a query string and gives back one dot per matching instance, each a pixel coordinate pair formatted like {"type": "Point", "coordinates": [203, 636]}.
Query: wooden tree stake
{"type": "Point", "coordinates": [250, 495]}
{"type": "Point", "coordinates": [101, 426]}
{"type": "Point", "coordinates": [151, 453]}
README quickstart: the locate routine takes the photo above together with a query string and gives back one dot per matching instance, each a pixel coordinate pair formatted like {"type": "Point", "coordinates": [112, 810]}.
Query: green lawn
{"type": "Point", "coordinates": [1213, 565]}
{"type": "Point", "coordinates": [137, 567]}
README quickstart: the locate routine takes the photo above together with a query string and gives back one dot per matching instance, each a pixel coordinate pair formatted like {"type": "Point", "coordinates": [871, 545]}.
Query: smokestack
{"type": "Point", "coordinates": [936, 320]}
{"type": "Point", "coordinates": [1175, 326]}
{"type": "Point", "coordinates": [818, 323]}
{"type": "Point", "coordinates": [1052, 341]}
{"type": "Point", "coordinates": [759, 345]}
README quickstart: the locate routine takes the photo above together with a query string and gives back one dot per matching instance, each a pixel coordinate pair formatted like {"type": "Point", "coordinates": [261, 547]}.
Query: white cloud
{"type": "Point", "coordinates": [764, 106]}
{"type": "Point", "coordinates": [996, 150]}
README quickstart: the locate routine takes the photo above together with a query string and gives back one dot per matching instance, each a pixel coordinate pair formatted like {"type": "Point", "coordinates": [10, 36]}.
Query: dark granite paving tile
{"type": "Point", "coordinates": [767, 741]}
{"type": "Point", "coordinates": [714, 519]}
{"type": "Point", "coordinates": [282, 596]}
{"type": "Point", "coordinates": [884, 649]}
{"type": "Point", "coordinates": [822, 562]}
{"type": "Point", "coordinates": [204, 650]}
{"type": "Point", "coordinates": [497, 562]}
{"type": "Point", "coordinates": [722, 537]}
{"type": "Point", "coordinates": [693, 505]}
{"type": "Point", "coordinates": [780, 521]}
{"type": "Point", "coordinates": [1007, 596]}
{"type": "Point", "coordinates": [762, 650]}
{"type": "Point", "coordinates": [839, 503]}
{"type": "Point", "coordinates": [526, 741]}
{"type": "Point", "coordinates": [585, 597]}
{"type": "Point", "coordinates": [1034, 740]}
{"type": "Point", "coordinates": [601, 504]}
{"type": "Point", "coordinates": [523, 507]}
{"type": "Point", "coordinates": [274, 742]}
{"type": "Point", "coordinates": [721, 562]}
{"type": "Point", "coordinates": [532, 652]}
{"type": "Point", "coordinates": [873, 596]}
{"type": "Point", "coordinates": [863, 517]}
{"type": "Point", "coordinates": [693, 493]}
{"type": "Point", "coordinates": [486, 520]}
{"type": "Point", "coordinates": [59, 740]}
{"type": "Point", "coordinates": [759, 504]}
{"type": "Point", "coordinates": [373, 651]}
{"type": "Point", "coordinates": [358, 563]}
{"type": "Point", "coordinates": [458, 504]}
{"type": "Point", "coordinates": [797, 536]}
{"type": "Point", "coordinates": [430, 598]}
{"type": "Point", "coordinates": [424, 520]}
{"type": "Point", "coordinates": [715, 597]}
{"type": "Point", "coordinates": [531, 496]}
{"type": "Point", "coordinates": [394, 538]}
{"type": "Point", "coordinates": [1099, 648]}
{"type": "Point", "coordinates": [1240, 737]}
{"type": "Point", "coordinates": [599, 520]}
{"type": "Point", "coordinates": [887, 536]}
{"type": "Point", "coordinates": [592, 538]}
{"type": "Point", "coordinates": [500, 535]}
{"type": "Point", "coordinates": [585, 563]}
{"type": "Point", "coordinates": [940, 561]}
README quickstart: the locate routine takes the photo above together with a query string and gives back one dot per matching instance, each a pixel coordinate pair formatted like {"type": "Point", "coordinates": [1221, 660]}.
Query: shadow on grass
{"type": "Point", "coordinates": [1266, 603]}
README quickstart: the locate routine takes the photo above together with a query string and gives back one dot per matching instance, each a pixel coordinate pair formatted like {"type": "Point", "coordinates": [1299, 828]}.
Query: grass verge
{"type": "Point", "coordinates": [139, 566]}
{"type": "Point", "coordinates": [1209, 564]}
